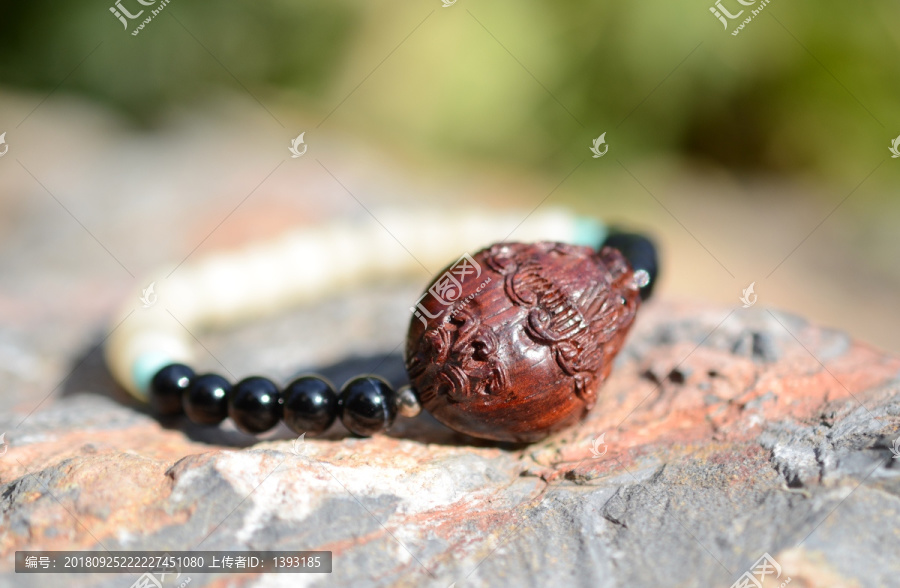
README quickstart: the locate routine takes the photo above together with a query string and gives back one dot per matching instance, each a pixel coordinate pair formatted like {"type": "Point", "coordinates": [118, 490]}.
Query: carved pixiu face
{"type": "Point", "coordinates": [521, 351]}
{"type": "Point", "coordinates": [462, 351]}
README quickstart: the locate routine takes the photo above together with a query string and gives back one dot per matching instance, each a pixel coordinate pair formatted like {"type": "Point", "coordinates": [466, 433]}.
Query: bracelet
{"type": "Point", "coordinates": [509, 343]}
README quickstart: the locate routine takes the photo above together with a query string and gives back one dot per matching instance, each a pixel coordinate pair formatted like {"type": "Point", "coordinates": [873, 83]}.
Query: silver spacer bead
{"type": "Point", "coordinates": [407, 402]}
{"type": "Point", "coordinates": [641, 278]}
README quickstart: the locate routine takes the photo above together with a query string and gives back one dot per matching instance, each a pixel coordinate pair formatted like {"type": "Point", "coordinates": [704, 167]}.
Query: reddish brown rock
{"type": "Point", "coordinates": [725, 434]}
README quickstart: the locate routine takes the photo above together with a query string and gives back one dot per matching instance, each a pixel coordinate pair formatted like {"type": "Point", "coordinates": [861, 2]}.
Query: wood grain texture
{"type": "Point", "coordinates": [512, 344]}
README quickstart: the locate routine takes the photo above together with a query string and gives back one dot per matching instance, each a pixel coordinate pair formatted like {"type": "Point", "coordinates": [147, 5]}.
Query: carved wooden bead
{"type": "Point", "coordinates": [513, 343]}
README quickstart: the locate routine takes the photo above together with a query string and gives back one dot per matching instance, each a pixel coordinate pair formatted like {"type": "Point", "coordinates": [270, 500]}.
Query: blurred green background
{"type": "Point", "coordinates": [755, 103]}
{"type": "Point", "coordinates": [743, 146]}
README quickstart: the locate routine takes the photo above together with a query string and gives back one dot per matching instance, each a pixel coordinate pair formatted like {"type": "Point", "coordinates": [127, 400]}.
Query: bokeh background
{"type": "Point", "coordinates": [759, 157]}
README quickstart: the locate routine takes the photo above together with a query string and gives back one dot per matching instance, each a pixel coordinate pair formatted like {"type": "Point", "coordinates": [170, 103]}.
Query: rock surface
{"type": "Point", "coordinates": [723, 434]}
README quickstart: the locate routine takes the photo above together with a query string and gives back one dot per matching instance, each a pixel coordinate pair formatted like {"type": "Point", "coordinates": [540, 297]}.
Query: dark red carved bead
{"type": "Point", "coordinates": [513, 343]}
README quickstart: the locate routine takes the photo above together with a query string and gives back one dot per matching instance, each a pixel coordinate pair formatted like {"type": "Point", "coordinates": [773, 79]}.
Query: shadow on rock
{"type": "Point", "coordinates": [90, 375]}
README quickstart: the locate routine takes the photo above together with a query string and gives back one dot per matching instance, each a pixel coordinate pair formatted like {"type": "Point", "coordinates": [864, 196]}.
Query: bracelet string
{"type": "Point", "coordinates": [150, 353]}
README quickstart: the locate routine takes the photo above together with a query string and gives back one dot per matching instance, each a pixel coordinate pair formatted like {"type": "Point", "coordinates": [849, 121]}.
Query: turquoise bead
{"type": "Point", "coordinates": [144, 368]}
{"type": "Point", "coordinates": [589, 232]}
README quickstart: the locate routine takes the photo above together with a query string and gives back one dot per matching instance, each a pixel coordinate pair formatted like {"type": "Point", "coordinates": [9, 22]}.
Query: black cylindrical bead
{"type": "Point", "coordinates": [310, 405]}
{"type": "Point", "coordinates": [167, 387]}
{"type": "Point", "coordinates": [367, 405]}
{"type": "Point", "coordinates": [640, 253]}
{"type": "Point", "coordinates": [255, 405]}
{"type": "Point", "coordinates": [206, 400]}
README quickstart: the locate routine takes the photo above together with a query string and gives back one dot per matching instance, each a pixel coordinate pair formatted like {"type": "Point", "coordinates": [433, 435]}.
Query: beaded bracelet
{"type": "Point", "coordinates": [510, 343]}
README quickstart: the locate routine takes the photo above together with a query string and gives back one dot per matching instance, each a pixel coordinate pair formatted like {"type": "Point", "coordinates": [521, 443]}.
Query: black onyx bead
{"type": "Point", "coordinates": [167, 387]}
{"type": "Point", "coordinates": [367, 405]}
{"type": "Point", "coordinates": [255, 405]}
{"type": "Point", "coordinates": [310, 405]}
{"type": "Point", "coordinates": [640, 253]}
{"type": "Point", "coordinates": [206, 399]}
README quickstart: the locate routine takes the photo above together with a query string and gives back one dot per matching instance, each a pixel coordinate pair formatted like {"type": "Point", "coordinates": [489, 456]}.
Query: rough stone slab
{"type": "Point", "coordinates": [726, 434]}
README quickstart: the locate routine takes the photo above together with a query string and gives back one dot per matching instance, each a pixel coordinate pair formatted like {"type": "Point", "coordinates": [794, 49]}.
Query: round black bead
{"type": "Point", "coordinates": [167, 386]}
{"type": "Point", "coordinates": [255, 405]}
{"type": "Point", "coordinates": [640, 253]}
{"type": "Point", "coordinates": [206, 399]}
{"type": "Point", "coordinates": [367, 405]}
{"type": "Point", "coordinates": [310, 405]}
